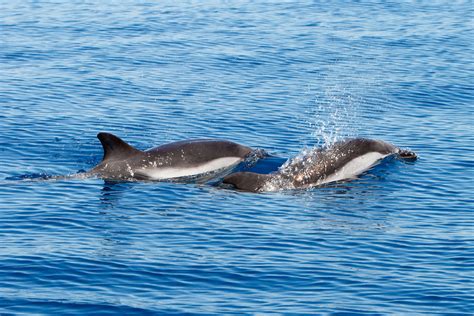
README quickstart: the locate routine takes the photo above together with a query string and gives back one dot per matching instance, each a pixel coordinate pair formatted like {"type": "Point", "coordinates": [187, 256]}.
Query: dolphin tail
{"type": "Point", "coordinates": [247, 181]}
{"type": "Point", "coordinates": [114, 147]}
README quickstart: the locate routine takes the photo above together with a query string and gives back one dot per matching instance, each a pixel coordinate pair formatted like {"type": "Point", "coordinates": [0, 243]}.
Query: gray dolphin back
{"type": "Point", "coordinates": [196, 152]}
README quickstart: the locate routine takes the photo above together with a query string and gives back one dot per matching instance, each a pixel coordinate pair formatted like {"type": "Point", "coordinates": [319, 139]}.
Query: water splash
{"type": "Point", "coordinates": [334, 115]}
{"type": "Point", "coordinates": [332, 118]}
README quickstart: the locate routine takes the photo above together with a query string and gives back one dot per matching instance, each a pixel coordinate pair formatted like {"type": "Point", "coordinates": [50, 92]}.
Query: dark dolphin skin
{"type": "Point", "coordinates": [122, 161]}
{"type": "Point", "coordinates": [319, 165]}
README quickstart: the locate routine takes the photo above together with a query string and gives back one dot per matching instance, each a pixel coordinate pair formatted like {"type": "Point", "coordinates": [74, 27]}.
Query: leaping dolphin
{"type": "Point", "coordinates": [174, 160]}
{"type": "Point", "coordinates": [343, 160]}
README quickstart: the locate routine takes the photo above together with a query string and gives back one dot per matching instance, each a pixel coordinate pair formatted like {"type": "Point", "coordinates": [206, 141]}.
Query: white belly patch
{"type": "Point", "coordinates": [170, 172]}
{"type": "Point", "coordinates": [354, 167]}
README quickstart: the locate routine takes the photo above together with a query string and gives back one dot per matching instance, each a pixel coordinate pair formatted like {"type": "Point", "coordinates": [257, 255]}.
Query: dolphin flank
{"type": "Point", "coordinates": [173, 160]}
{"type": "Point", "coordinates": [343, 160]}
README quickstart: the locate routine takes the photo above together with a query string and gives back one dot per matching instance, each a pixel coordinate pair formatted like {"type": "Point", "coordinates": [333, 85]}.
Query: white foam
{"type": "Point", "coordinates": [170, 173]}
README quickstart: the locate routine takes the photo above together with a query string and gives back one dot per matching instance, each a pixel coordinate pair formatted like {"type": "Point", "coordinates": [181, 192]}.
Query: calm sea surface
{"type": "Point", "coordinates": [281, 76]}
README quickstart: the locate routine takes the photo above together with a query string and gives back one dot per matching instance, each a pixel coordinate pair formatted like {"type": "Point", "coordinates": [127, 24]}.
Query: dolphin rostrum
{"type": "Point", "coordinates": [174, 160]}
{"type": "Point", "coordinates": [343, 160]}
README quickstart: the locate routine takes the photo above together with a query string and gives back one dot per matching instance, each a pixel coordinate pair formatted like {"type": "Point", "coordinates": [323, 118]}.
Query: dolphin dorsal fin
{"type": "Point", "coordinates": [114, 147]}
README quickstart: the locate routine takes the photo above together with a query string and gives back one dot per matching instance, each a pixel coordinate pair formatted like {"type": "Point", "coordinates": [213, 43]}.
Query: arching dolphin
{"type": "Point", "coordinates": [174, 160]}
{"type": "Point", "coordinates": [343, 160]}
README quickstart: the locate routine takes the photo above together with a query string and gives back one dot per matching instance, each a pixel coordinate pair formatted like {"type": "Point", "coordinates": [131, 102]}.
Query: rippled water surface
{"type": "Point", "coordinates": [281, 76]}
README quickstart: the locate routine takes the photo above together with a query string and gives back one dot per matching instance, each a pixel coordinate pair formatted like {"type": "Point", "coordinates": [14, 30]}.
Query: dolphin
{"type": "Point", "coordinates": [170, 161]}
{"type": "Point", "coordinates": [343, 160]}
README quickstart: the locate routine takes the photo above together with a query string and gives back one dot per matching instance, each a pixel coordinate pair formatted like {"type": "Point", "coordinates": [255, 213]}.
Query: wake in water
{"type": "Point", "coordinates": [81, 174]}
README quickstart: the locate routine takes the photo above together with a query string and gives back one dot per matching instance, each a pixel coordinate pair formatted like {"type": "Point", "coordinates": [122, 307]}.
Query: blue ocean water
{"type": "Point", "coordinates": [281, 76]}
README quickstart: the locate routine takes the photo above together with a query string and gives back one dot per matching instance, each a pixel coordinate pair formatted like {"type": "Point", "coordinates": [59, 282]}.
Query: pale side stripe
{"type": "Point", "coordinates": [169, 173]}
{"type": "Point", "coordinates": [354, 167]}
